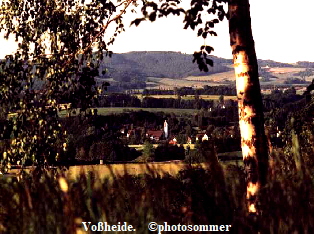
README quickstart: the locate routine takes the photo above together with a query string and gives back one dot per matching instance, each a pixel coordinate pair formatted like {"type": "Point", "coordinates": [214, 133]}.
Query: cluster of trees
{"type": "Point", "coordinates": [206, 90]}
{"type": "Point", "coordinates": [307, 73]}
{"type": "Point", "coordinates": [177, 103]}
{"type": "Point", "coordinates": [202, 152]}
{"type": "Point", "coordinates": [279, 98]}
{"type": "Point", "coordinates": [265, 75]}
{"type": "Point", "coordinates": [107, 147]}
{"type": "Point", "coordinates": [126, 100]}
{"type": "Point", "coordinates": [279, 116]}
{"type": "Point", "coordinates": [305, 64]}
{"type": "Point", "coordinates": [119, 100]}
{"type": "Point", "coordinates": [294, 80]}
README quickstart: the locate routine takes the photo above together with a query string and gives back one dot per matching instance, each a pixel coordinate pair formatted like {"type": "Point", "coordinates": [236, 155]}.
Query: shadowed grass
{"type": "Point", "coordinates": [216, 195]}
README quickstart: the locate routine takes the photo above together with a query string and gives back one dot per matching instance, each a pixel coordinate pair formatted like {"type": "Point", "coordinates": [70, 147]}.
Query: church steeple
{"type": "Point", "coordinates": [166, 129]}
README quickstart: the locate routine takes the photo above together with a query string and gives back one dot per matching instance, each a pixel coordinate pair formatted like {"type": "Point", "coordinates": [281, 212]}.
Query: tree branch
{"type": "Point", "coordinates": [102, 31]}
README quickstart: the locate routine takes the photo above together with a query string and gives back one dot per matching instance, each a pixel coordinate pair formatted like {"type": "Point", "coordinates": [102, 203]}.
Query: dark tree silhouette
{"type": "Point", "coordinates": [307, 93]}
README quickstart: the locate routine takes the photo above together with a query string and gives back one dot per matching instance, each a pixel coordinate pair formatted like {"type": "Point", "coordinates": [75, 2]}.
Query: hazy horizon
{"type": "Point", "coordinates": [281, 31]}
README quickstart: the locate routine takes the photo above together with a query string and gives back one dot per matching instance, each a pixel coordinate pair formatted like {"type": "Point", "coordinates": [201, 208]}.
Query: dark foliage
{"type": "Point", "coordinates": [169, 152]}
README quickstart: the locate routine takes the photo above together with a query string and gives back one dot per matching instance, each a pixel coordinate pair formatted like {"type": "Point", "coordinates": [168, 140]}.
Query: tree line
{"type": "Point", "coordinates": [206, 90]}
{"type": "Point", "coordinates": [128, 100]}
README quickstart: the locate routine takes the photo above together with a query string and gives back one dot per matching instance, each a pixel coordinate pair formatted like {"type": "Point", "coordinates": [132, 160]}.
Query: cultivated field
{"type": "Point", "coordinates": [223, 78]}
{"type": "Point", "coordinates": [168, 83]}
{"type": "Point", "coordinates": [112, 170]}
{"type": "Point", "coordinates": [153, 168]}
{"type": "Point", "coordinates": [285, 70]}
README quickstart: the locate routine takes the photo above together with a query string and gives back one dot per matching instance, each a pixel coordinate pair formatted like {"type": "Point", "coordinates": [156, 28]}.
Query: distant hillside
{"type": "Point", "coordinates": [305, 64]}
{"type": "Point", "coordinates": [272, 63]}
{"type": "Point", "coordinates": [165, 65]}
{"type": "Point", "coordinates": [161, 64]}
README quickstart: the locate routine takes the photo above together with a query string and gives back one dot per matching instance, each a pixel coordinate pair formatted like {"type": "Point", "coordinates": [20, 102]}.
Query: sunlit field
{"type": "Point", "coordinates": [220, 77]}
{"type": "Point", "coordinates": [120, 169]}
{"type": "Point", "coordinates": [224, 78]}
{"type": "Point", "coordinates": [112, 170]}
{"type": "Point", "coordinates": [169, 83]}
{"type": "Point", "coordinates": [285, 70]}
{"type": "Point", "coordinates": [156, 168]}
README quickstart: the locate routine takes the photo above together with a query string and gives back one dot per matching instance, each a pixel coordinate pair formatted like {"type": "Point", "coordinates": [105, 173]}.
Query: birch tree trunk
{"type": "Point", "coordinates": [251, 119]}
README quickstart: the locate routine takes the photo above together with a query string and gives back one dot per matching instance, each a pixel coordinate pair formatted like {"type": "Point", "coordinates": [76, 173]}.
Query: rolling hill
{"type": "Point", "coordinates": [167, 64]}
{"type": "Point", "coordinates": [160, 64]}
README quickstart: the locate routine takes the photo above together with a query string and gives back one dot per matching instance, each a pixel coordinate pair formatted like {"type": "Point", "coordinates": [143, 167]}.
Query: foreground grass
{"type": "Point", "coordinates": [48, 202]}
{"type": "Point", "coordinates": [38, 204]}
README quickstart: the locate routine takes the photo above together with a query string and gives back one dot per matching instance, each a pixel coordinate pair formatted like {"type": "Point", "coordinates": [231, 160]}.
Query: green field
{"type": "Point", "coordinates": [118, 110]}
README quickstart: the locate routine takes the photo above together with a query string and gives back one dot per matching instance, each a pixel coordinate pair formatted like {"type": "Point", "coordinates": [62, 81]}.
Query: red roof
{"type": "Point", "coordinates": [155, 133]}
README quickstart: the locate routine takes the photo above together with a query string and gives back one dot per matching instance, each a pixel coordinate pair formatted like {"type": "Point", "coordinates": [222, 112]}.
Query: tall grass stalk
{"type": "Point", "coordinates": [47, 202]}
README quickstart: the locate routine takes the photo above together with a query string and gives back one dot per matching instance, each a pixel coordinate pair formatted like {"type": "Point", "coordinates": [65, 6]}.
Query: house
{"type": "Point", "coordinates": [154, 134]}
{"type": "Point", "coordinates": [205, 137]}
{"type": "Point", "coordinates": [173, 141]}
{"type": "Point", "coordinates": [202, 137]}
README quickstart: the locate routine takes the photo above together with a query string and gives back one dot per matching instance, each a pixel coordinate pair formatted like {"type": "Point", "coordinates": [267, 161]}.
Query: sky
{"type": "Point", "coordinates": [282, 31]}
